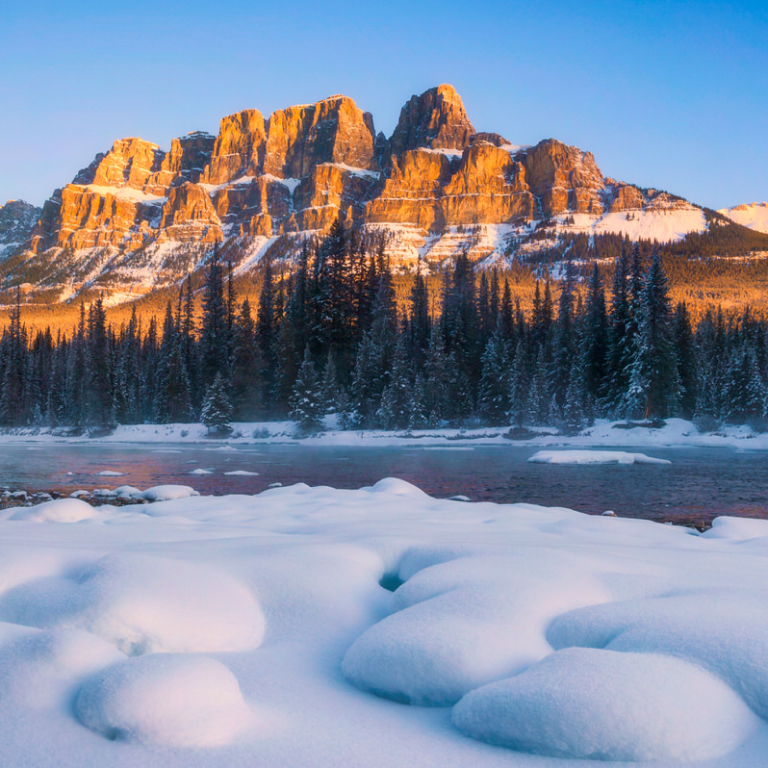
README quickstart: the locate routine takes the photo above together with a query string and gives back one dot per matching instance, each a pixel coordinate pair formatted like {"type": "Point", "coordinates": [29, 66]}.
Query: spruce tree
{"type": "Point", "coordinates": [246, 366]}
{"type": "Point", "coordinates": [654, 383]}
{"type": "Point", "coordinates": [214, 346]}
{"type": "Point", "coordinates": [307, 406]}
{"type": "Point", "coordinates": [217, 410]}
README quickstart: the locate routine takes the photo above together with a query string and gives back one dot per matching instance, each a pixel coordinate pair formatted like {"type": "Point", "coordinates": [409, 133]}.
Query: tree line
{"type": "Point", "coordinates": [330, 338]}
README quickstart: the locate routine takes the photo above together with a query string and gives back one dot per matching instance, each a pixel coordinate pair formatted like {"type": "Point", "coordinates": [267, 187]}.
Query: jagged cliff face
{"type": "Point", "coordinates": [436, 186]}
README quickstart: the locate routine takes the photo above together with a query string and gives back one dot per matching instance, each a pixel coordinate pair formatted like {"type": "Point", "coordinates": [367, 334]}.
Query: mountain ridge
{"type": "Point", "coordinates": [138, 218]}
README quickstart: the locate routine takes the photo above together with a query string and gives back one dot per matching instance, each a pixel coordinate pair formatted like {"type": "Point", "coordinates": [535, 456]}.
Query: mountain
{"type": "Point", "coordinates": [752, 215]}
{"type": "Point", "coordinates": [139, 218]}
{"type": "Point", "coordinates": [17, 220]}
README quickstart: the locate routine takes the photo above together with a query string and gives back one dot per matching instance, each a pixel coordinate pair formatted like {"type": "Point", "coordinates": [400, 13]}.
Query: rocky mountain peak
{"type": "Point", "coordinates": [239, 148]}
{"type": "Point", "coordinates": [436, 120]}
{"type": "Point", "coordinates": [434, 189]}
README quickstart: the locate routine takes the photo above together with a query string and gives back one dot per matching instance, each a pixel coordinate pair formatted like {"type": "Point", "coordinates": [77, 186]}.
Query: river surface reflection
{"type": "Point", "coordinates": [699, 484]}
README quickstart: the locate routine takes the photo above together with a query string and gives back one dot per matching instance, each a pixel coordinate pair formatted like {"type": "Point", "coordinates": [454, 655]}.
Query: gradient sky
{"type": "Point", "coordinates": [666, 94]}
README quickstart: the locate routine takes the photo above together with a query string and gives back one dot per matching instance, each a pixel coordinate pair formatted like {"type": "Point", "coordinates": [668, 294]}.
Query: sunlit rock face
{"type": "Point", "coordinates": [434, 188]}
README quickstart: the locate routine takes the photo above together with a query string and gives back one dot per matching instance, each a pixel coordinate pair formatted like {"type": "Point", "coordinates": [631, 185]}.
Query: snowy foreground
{"type": "Point", "coordinates": [255, 630]}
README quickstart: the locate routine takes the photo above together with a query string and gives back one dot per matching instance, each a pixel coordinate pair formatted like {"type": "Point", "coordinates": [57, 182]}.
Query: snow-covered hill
{"type": "Point", "coordinates": [752, 215]}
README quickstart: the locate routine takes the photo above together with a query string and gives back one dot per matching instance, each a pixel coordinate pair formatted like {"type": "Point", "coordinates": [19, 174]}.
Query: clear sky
{"type": "Point", "coordinates": [666, 94]}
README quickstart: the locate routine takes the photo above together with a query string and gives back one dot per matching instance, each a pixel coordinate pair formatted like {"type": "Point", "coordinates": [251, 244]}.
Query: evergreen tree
{"type": "Point", "coordinates": [593, 346]}
{"type": "Point", "coordinates": [246, 366]}
{"type": "Point", "coordinates": [654, 384]}
{"type": "Point", "coordinates": [307, 406]}
{"type": "Point", "coordinates": [493, 402]}
{"type": "Point", "coordinates": [395, 409]}
{"type": "Point", "coordinates": [214, 347]}
{"type": "Point", "coordinates": [217, 410]}
{"type": "Point", "coordinates": [266, 332]}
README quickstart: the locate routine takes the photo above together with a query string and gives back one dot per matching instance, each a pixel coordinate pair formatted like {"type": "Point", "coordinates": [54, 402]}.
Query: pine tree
{"type": "Point", "coordinates": [593, 346]}
{"type": "Point", "coordinates": [493, 401]}
{"type": "Point", "coordinates": [518, 386]}
{"type": "Point", "coordinates": [395, 409]}
{"type": "Point", "coordinates": [329, 387]}
{"type": "Point", "coordinates": [654, 384]}
{"type": "Point", "coordinates": [14, 366]}
{"type": "Point", "coordinates": [420, 322]}
{"type": "Point", "coordinates": [217, 410]}
{"type": "Point", "coordinates": [214, 346]}
{"type": "Point", "coordinates": [306, 400]}
{"type": "Point", "coordinates": [246, 365]}
{"type": "Point", "coordinates": [266, 332]}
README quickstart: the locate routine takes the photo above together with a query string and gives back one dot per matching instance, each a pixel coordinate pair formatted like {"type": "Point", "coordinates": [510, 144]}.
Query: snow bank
{"type": "Point", "coordinates": [593, 457]}
{"type": "Point", "coordinates": [545, 630]}
{"type": "Point", "coordinates": [144, 604]}
{"type": "Point", "coordinates": [737, 528]}
{"type": "Point", "coordinates": [724, 630]}
{"type": "Point", "coordinates": [59, 511]}
{"type": "Point", "coordinates": [169, 492]}
{"type": "Point", "coordinates": [464, 623]}
{"type": "Point", "coordinates": [38, 667]}
{"type": "Point", "coordinates": [176, 701]}
{"type": "Point", "coordinates": [603, 705]}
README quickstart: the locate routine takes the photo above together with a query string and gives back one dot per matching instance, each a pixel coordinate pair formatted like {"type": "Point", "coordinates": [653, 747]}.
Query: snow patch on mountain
{"type": "Point", "coordinates": [752, 215]}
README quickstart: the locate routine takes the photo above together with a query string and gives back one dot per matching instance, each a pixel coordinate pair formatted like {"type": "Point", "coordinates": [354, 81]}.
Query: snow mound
{"type": "Point", "coordinates": [128, 492]}
{"type": "Point", "coordinates": [169, 492]}
{"type": "Point", "coordinates": [176, 701]}
{"type": "Point", "coordinates": [200, 471]}
{"type": "Point", "coordinates": [737, 528]}
{"type": "Point", "coordinates": [397, 487]}
{"type": "Point", "coordinates": [110, 473]}
{"type": "Point", "coordinates": [722, 630]}
{"type": "Point", "coordinates": [604, 705]}
{"type": "Point", "coordinates": [593, 457]}
{"type": "Point", "coordinates": [241, 473]}
{"type": "Point", "coordinates": [144, 604]}
{"type": "Point", "coordinates": [463, 624]}
{"type": "Point", "coordinates": [41, 668]}
{"type": "Point", "coordinates": [58, 511]}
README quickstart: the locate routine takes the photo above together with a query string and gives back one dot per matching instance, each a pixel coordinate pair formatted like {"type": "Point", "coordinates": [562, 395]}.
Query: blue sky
{"type": "Point", "coordinates": [665, 94]}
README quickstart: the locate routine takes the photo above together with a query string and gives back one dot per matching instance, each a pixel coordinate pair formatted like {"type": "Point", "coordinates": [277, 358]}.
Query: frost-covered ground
{"type": "Point", "coordinates": [676, 432]}
{"type": "Point", "coordinates": [253, 630]}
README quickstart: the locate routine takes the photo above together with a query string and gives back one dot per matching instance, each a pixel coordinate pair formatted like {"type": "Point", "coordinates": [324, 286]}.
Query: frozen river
{"type": "Point", "coordinates": [699, 484]}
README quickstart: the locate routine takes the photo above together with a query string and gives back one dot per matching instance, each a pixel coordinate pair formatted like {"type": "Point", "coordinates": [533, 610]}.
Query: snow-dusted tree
{"type": "Point", "coordinates": [394, 410]}
{"type": "Point", "coordinates": [217, 410]}
{"type": "Point", "coordinates": [245, 377]}
{"type": "Point", "coordinates": [417, 417]}
{"type": "Point", "coordinates": [214, 338]}
{"type": "Point", "coordinates": [573, 418]}
{"type": "Point", "coordinates": [330, 389]}
{"type": "Point", "coordinates": [654, 383]}
{"type": "Point", "coordinates": [593, 345]}
{"type": "Point", "coordinates": [307, 408]}
{"type": "Point", "coordinates": [493, 390]}
{"type": "Point", "coordinates": [518, 386]}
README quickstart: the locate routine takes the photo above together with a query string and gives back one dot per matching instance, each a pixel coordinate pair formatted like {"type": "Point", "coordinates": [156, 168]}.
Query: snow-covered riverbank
{"type": "Point", "coordinates": [239, 630]}
{"type": "Point", "coordinates": [675, 432]}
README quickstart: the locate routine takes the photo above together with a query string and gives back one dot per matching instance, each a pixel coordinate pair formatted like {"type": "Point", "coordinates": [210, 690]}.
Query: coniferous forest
{"type": "Point", "coordinates": [330, 338]}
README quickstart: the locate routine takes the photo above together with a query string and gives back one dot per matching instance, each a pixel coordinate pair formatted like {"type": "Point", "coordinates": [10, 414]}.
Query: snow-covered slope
{"type": "Point", "coordinates": [752, 215]}
{"type": "Point", "coordinates": [242, 630]}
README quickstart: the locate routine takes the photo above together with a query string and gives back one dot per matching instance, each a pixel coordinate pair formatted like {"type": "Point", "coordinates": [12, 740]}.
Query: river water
{"type": "Point", "coordinates": [699, 484]}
